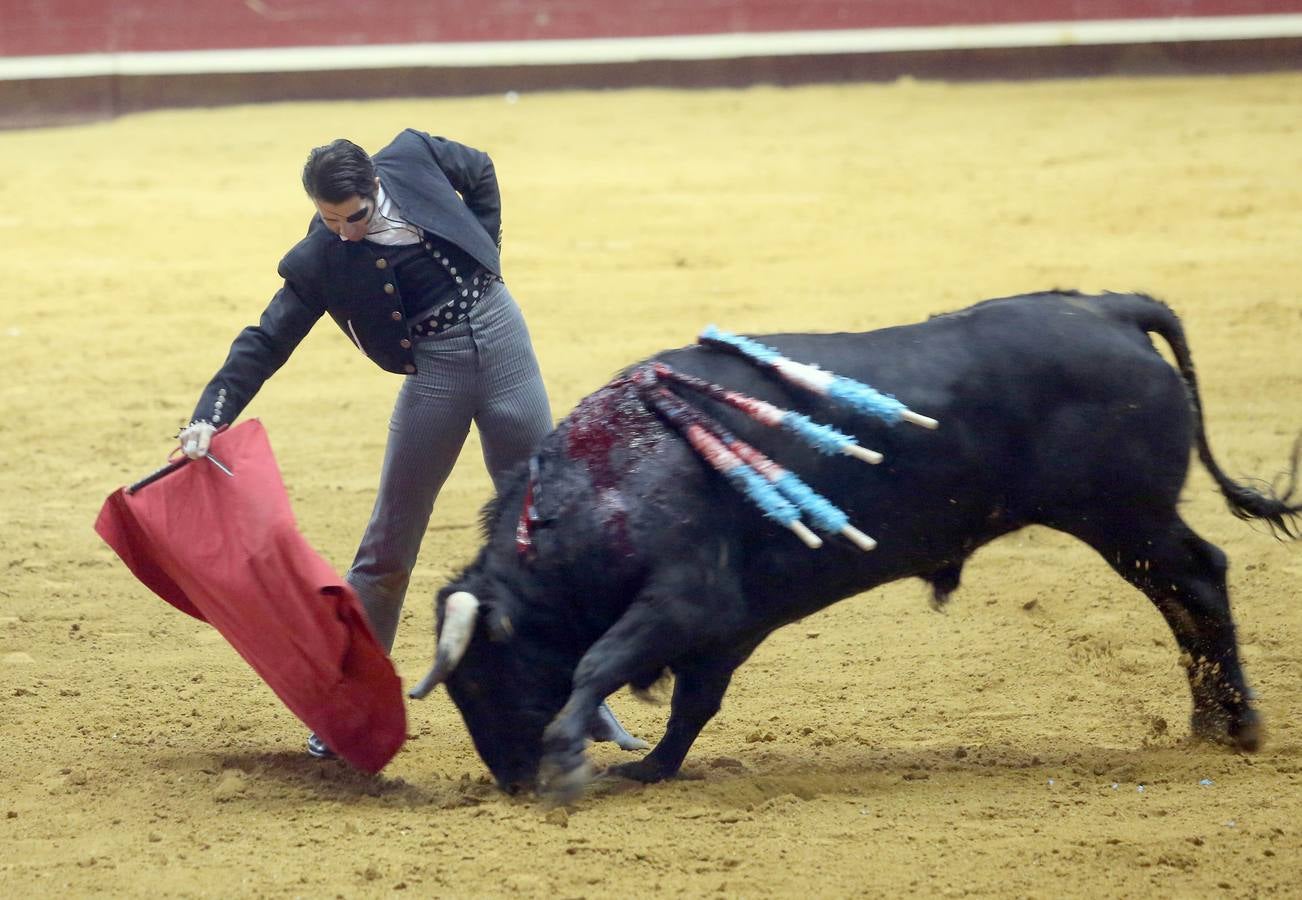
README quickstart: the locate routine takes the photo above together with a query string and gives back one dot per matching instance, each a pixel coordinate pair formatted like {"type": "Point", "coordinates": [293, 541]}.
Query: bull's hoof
{"type": "Point", "coordinates": [564, 785]}
{"type": "Point", "coordinates": [621, 738]}
{"type": "Point", "coordinates": [630, 743]}
{"type": "Point", "coordinates": [645, 770]}
{"type": "Point", "coordinates": [1243, 732]}
{"type": "Point", "coordinates": [605, 727]}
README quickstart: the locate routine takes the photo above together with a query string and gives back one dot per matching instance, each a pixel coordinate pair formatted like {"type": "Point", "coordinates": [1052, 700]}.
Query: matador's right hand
{"type": "Point", "coordinates": [195, 438]}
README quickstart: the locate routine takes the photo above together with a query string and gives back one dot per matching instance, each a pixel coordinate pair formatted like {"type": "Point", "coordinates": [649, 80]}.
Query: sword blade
{"type": "Point", "coordinates": [218, 463]}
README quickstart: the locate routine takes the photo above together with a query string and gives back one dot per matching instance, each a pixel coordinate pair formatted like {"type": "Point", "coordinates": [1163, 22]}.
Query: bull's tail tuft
{"type": "Point", "coordinates": [1271, 504]}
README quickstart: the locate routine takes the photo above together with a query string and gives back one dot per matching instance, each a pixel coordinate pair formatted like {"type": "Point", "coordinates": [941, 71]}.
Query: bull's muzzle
{"type": "Point", "coordinates": [459, 615]}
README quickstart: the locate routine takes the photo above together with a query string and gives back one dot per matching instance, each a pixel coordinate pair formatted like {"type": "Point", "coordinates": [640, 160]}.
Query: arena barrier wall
{"type": "Point", "coordinates": [72, 60]}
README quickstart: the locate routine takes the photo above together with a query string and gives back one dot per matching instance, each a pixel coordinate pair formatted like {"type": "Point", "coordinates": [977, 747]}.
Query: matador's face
{"type": "Point", "coordinates": [351, 217]}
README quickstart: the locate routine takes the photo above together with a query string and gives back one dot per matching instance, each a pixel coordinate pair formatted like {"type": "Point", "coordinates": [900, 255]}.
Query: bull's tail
{"type": "Point", "coordinates": [1268, 504]}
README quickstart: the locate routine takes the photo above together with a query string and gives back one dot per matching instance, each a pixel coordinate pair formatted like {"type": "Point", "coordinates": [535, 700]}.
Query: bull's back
{"type": "Point", "coordinates": [1049, 406]}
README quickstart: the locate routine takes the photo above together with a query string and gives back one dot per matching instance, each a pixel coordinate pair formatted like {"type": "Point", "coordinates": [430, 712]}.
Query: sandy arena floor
{"type": "Point", "coordinates": [1031, 742]}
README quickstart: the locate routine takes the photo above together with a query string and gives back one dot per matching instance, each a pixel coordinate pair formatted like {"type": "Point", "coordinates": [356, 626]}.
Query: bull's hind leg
{"type": "Point", "coordinates": [1184, 576]}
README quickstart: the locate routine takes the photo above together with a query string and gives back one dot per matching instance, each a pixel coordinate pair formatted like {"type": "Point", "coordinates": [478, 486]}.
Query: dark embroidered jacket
{"type": "Point", "coordinates": [447, 189]}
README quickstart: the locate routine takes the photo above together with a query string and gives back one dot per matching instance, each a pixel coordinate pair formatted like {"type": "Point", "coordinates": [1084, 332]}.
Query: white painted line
{"type": "Point", "coordinates": [646, 49]}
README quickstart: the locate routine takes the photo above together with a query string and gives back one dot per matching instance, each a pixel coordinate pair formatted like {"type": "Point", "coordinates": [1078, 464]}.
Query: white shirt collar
{"type": "Point", "coordinates": [387, 225]}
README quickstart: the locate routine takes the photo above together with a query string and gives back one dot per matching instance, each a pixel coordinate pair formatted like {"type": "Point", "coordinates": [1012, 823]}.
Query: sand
{"type": "Point", "coordinates": [1030, 742]}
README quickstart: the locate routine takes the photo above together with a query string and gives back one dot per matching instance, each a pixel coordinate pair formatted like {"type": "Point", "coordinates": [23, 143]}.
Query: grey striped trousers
{"type": "Point", "coordinates": [482, 370]}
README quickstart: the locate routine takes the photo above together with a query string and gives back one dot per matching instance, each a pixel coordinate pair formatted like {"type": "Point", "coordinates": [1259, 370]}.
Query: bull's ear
{"type": "Point", "coordinates": [500, 628]}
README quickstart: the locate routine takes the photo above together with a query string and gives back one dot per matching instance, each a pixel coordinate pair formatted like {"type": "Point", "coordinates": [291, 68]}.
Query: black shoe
{"type": "Point", "coordinates": [316, 748]}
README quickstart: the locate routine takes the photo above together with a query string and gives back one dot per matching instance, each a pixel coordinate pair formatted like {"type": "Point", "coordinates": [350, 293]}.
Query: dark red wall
{"type": "Point", "coordinates": [65, 29]}
{"type": "Point", "coordinates": [44, 27]}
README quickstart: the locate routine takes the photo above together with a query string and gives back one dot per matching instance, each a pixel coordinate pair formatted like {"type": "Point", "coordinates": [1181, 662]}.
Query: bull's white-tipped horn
{"type": "Point", "coordinates": [459, 614]}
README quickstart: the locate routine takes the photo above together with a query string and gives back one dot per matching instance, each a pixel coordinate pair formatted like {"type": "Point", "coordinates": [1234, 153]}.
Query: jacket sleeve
{"type": "Point", "coordinates": [471, 172]}
{"type": "Point", "coordinates": [255, 355]}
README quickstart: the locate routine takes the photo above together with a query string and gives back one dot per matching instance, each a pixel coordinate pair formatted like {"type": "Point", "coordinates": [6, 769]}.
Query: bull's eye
{"type": "Point", "coordinates": [500, 629]}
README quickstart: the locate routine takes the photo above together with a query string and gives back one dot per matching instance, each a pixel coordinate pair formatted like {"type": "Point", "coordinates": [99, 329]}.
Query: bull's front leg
{"type": "Point", "coordinates": [656, 629]}
{"type": "Point", "coordinates": [698, 695]}
{"type": "Point", "coordinates": [632, 645]}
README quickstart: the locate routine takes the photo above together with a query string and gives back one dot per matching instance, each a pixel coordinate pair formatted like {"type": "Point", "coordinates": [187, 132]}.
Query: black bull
{"type": "Point", "coordinates": [1055, 410]}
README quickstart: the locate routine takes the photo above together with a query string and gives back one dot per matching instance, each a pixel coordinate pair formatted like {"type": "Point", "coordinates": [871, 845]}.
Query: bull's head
{"type": "Point", "coordinates": [505, 691]}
